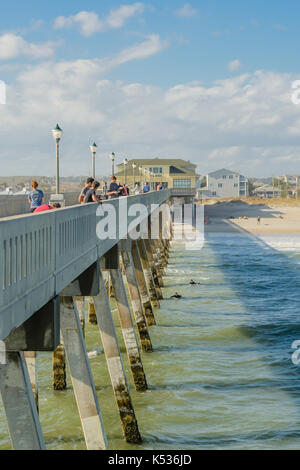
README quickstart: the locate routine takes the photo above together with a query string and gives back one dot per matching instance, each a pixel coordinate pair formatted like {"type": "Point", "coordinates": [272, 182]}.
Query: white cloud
{"type": "Point", "coordinates": [187, 11]}
{"type": "Point", "coordinates": [13, 45]}
{"type": "Point", "coordinates": [246, 122]}
{"type": "Point", "coordinates": [89, 22]}
{"type": "Point", "coordinates": [234, 65]}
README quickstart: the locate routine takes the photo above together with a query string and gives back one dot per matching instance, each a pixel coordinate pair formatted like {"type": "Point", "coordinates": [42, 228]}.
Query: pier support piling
{"type": "Point", "coordinates": [18, 401]}
{"type": "Point", "coordinates": [31, 359]}
{"type": "Point", "coordinates": [111, 262]}
{"type": "Point", "coordinates": [59, 377]}
{"type": "Point", "coordinates": [115, 366]}
{"type": "Point", "coordinates": [81, 376]}
{"type": "Point", "coordinates": [91, 312]}
{"type": "Point", "coordinates": [135, 295]}
{"type": "Point", "coordinates": [158, 282]}
{"type": "Point", "coordinates": [142, 286]}
{"type": "Point", "coordinates": [80, 308]}
{"type": "Point", "coordinates": [147, 273]}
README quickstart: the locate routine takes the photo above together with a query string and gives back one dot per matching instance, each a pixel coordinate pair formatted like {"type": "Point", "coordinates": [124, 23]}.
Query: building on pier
{"type": "Point", "coordinates": [171, 173]}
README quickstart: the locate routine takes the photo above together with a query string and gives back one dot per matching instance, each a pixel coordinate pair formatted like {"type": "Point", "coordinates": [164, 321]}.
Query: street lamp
{"type": "Point", "coordinates": [57, 133]}
{"type": "Point", "coordinates": [140, 170]}
{"type": "Point", "coordinates": [125, 162]}
{"type": "Point", "coordinates": [112, 157]}
{"type": "Point", "coordinates": [133, 169]}
{"type": "Point", "coordinates": [93, 150]}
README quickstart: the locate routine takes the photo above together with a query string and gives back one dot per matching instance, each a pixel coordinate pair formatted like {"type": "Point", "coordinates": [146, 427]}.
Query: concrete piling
{"type": "Point", "coordinates": [18, 401]}
{"type": "Point", "coordinates": [147, 273]}
{"type": "Point", "coordinates": [142, 286]}
{"type": "Point", "coordinates": [59, 377]}
{"type": "Point", "coordinates": [81, 376]}
{"type": "Point", "coordinates": [80, 308]}
{"type": "Point", "coordinates": [115, 365]}
{"type": "Point", "coordinates": [91, 312]}
{"type": "Point", "coordinates": [158, 282]}
{"type": "Point", "coordinates": [32, 366]}
{"type": "Point", "coordinates": [136, 301]}
{"type": "Point", "coordinates": [134, 357]}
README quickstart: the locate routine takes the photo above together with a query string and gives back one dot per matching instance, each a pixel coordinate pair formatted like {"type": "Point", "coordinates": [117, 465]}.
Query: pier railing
{"type": "Point", "coordinates": [41, 254]}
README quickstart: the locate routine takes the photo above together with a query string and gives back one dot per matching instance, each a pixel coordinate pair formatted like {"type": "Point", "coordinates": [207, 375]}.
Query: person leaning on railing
{"type": "Point", "coordinates": [91, 195]}
{"type": "Point", "coordinates": [115, 189]}
{"type": "Point", "coordinates": [146, 188]}
{"type": "Point", "coordinates": [88, 186]}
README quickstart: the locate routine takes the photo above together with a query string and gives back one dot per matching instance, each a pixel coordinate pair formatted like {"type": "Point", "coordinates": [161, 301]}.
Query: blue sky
{"type": "Point", "coordinates": [153, 78]}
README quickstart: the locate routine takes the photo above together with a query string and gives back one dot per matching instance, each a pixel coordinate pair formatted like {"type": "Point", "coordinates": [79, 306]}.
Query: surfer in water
{"type": "Point", "coordinates": [194, 283]}
{"type": "Point", "coordinates": [176, 296]}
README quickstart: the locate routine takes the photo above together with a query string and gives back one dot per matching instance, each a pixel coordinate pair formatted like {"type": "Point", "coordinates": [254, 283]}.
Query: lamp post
{"type": "Point", "coordinates": [125, 162]}
{"type": "Point", "coordinates": [140, 170]}
{"type": "Point", "coordinates": [57, 133]}
{"type": "Point", "coordinates": [93, 150]}
{"type": "Point", "coordinates": [151, 180]}
{"type": "Point", "coordinates": [112, 157]}
{"type": "Point", "coordinates": [133, 169]}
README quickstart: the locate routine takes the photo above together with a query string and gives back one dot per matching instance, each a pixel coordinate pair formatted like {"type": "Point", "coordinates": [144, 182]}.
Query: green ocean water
{"type": "Point", "coordinates": [221, 374]}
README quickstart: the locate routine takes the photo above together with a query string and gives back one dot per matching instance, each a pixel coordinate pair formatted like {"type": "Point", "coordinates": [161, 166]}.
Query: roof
{"type": "Point", "coordinates": [161, 161]}
{"type": "Point", "coordinates": [266, 188]}
{"type": "Point", "coordinates": [223, 171]}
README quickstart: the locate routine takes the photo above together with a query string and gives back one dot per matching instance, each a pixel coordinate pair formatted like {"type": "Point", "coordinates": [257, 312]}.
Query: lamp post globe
{"type": "Point", "coordinates": [112, 157]}
{"type": "Point", "coordinates": [57, 134]}
{"type": "Point", "coordinates": [93, 149]}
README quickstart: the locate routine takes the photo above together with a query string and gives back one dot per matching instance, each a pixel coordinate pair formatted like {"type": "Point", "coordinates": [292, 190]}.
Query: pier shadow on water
{"type": "Point", "coordinates": [266, 281]}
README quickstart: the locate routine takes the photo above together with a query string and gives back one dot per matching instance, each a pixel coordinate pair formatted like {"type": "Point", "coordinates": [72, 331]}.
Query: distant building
{"type": "Point", "coordinates": [224, 183]}
{"type": "Point", "coordinates": [267, 191]}
{"type": "Point", "coordinates": [7, 192]}
{"type": "Point", "coordinates": [170, 172]}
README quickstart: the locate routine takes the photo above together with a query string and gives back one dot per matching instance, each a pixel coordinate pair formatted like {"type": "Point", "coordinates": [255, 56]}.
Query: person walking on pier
{"type": "Point", "coordinates": [36, 197]}
{"type": "Point", "coordinates": [87, 187]}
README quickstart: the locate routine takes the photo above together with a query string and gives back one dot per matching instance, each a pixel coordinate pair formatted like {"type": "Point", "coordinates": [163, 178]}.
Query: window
{"type": "Point", "coordinates": [224, 177]}
{"type": "Point", "coordinates": [231, 177]}
{"type": "Point", "coordinates": [214, 193]}
{"type": "Point", "coordinates": [181, 183]}
{"type": "Point", "coordinates": [220, 185]}
{"type": "Point", "coordinates": [235, 185]}
{"type": "Point", "coordinates": [160, 170]}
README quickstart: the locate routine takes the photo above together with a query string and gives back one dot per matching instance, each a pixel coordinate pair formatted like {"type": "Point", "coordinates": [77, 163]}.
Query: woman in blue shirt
{"type": "Point", "coordinates": [36, 197]}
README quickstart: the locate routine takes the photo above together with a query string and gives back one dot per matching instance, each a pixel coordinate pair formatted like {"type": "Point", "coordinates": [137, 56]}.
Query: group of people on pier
{"type": "Point", "coordinates": [89, 193]}
{"type": "Point", "coordinates": [114, 190]}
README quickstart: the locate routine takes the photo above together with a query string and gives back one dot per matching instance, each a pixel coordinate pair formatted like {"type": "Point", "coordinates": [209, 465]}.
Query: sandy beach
{"type": "Point", "coordinates": [229, 217]}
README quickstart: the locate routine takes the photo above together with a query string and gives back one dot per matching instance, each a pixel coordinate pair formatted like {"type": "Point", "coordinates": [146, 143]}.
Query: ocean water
{"type": "Point", "coordinates": [221, 375]}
